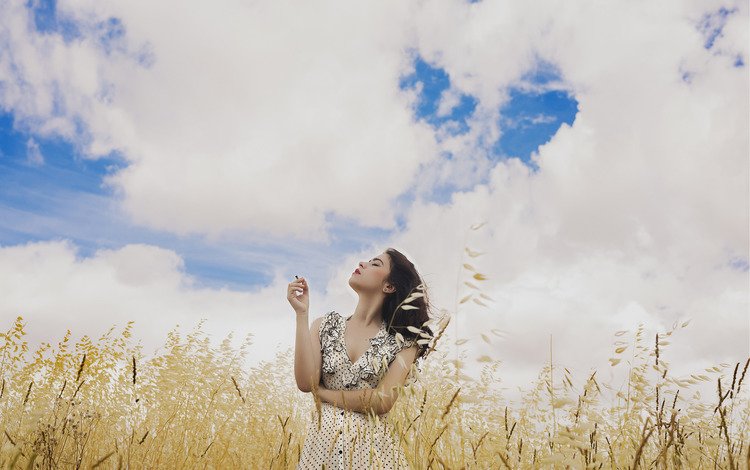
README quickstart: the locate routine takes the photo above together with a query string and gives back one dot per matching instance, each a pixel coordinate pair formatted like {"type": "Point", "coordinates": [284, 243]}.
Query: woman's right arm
{"type": "Point", "coordinates": [307, 357]}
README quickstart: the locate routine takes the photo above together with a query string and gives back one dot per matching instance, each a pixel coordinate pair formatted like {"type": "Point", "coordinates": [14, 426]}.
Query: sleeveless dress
{"type": "Point", "coordinates": [347, 439]}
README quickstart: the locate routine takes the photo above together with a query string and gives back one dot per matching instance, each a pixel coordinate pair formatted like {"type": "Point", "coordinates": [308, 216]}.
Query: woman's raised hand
{"type": "Point", "coordinates": [300, 303]}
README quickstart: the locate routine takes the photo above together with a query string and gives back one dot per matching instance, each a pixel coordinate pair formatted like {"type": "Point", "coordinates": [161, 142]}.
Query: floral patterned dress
{"type": "Point", "coordinates": [344, 439]}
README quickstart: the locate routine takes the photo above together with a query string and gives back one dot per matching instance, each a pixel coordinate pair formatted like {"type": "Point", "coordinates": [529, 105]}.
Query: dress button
{"type": "Point", "coordinates": [342, 413]}
{"type": "Point", "coordinates": [340, 451]}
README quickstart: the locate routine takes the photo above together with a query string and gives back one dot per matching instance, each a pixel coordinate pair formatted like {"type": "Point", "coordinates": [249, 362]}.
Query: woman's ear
{"type": "Point", "coordinates": [389, 289]}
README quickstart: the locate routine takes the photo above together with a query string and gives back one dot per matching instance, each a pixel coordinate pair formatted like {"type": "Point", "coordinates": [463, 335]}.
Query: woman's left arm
{"type": "Point", "coordinates": [379, 399]}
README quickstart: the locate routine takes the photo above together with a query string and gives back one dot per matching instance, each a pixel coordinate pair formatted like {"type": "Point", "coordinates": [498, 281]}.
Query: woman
{"type": "Point", "coordinates": [357, 364]}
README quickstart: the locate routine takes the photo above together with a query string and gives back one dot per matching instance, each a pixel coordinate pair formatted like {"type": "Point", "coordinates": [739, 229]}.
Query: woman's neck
{"type": "Point", "coordinates": [368, 311]}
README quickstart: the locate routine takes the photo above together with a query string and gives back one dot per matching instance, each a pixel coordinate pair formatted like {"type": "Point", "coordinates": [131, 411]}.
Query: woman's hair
{"type": "Point", "coordinates": [407, 281]}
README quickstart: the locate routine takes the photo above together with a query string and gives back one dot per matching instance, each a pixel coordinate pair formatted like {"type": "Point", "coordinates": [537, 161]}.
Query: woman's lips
{"type": "Point", "coordinates": [356, 271]}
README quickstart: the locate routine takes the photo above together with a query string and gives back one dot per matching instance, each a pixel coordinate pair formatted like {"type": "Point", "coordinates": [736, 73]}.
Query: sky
{"type": "Point", "coordinates": [173, 162]}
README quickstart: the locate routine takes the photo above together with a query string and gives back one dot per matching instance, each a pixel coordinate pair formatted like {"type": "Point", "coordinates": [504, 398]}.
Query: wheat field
{"type": "Point", "coordinates": [103, 404]}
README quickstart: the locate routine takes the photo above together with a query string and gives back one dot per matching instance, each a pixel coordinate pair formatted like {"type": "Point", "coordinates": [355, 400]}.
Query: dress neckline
{"type": "Point", "coordinates": [371, 340]}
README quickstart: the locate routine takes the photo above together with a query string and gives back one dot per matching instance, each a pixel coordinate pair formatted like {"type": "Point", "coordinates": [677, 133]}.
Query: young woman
{"type": "Point", "coordinates": [357, 364]}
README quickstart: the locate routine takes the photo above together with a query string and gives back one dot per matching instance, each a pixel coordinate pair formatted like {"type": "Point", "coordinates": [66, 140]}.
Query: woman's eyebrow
{"type": "Point", "coordinates": [377, 259]}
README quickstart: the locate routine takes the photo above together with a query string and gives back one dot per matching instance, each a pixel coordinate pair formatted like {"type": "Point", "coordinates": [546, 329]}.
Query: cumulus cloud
{"type": "Point", "coordinates": [449, 99]}
{"type": "Point", "coordinates": [638, 208]}
{"type": "Point", "coordinates": [228, 130]}
{"type": "Point", "coordinates": [54, 288]}
{"type": "Point", "coordinates": [638, 212]}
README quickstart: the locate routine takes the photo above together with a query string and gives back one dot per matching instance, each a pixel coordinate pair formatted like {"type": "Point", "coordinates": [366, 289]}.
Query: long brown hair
{"type": "Point", "coordinates": [407, 281]}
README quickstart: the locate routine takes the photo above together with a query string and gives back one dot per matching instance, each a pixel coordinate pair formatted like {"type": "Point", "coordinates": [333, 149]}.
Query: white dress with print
{"type": "Point", "coordinates": [344, 439]}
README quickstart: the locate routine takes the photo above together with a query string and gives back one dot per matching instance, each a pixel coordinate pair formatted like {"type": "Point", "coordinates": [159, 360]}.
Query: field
{"type": "Point", "coordinates": [101, 404]}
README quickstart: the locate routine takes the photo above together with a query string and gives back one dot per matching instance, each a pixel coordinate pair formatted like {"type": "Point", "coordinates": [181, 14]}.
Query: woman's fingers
{"type": "Point", "coordinates": [295, 286]}
{"type": "Point", "coordinates": [297, 289]}
{"type": "Point", "coordinates": [298, 285]}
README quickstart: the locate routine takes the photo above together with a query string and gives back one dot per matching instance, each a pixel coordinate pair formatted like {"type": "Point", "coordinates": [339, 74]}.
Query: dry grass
{"type": "Point", "coordinates": [103, 404]}
{"type": "Point", "coordinates": [194, 407]}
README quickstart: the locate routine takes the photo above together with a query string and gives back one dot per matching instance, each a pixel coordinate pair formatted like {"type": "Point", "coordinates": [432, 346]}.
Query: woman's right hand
{"type": "Point", "coordinates": [301, 303]}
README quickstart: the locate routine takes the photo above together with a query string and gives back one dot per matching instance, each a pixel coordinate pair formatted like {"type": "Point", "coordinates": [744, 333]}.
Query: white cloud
{"type": "Point", "coordinates": [34, 155]}
{"type": "Point", "coordinates": [637, 208]}
{"type": "Point", "coordinates": [632, 218]}
{"type": "Point", "coordinates": [449, 99]}
{"type": "Point", "coordinates": [541, 119]}
{"type": "Point", "coordinates": [54, 289]}
{"type": "Point", "coordinates": [231, 129]}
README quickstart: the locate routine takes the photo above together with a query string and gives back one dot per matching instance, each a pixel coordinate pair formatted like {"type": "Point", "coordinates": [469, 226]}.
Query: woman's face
{"type": "Point", "coordinates": [370, 276]}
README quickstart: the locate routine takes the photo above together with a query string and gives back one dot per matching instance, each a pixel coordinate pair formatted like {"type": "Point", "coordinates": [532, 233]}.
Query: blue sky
{"type": "Point", "coordinates": [528, 120]}
{"type": "Point", "coordinates": [63, 196]}
{"type": "Point", "coordinates": [238, 150]}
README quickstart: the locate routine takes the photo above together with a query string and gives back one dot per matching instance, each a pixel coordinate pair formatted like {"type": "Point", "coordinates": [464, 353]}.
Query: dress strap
{"type": "Point", "coordinates": [324, 324]}
{"type": "Point", "coordinates": [329, 332]}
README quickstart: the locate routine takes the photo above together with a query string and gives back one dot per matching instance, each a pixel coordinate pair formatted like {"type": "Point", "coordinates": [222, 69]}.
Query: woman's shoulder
{"type": "Point", "coordinates": [328, 314]}
{"type": "Point", "coordinates": [328, 318]}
